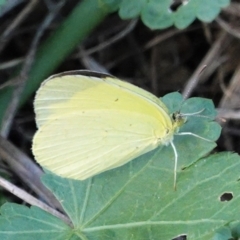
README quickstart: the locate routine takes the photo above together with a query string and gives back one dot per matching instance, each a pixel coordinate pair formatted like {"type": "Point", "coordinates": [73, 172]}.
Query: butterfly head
{"type": "Point", "coordinates": [178, 120]}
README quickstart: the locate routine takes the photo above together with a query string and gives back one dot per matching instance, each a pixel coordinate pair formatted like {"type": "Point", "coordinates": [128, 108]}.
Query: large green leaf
{"type": "Point", "coordinates": [137, 201]}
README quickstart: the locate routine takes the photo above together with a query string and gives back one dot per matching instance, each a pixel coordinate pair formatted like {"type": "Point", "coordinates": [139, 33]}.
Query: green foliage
{"type": "Point", "coordinates": [21, 223]}
{"type": "Point", "coordinates": [157, 14]}
{"type": "Point", "coordinates": [2, 2]}
{"type": "Point", "coordinates": [3, 198]}
{"type": "Point", "coordinates": [109, 5]}
{"type": "Point", "coordinates": [223, 234]}
{"type": "Point", "coordinates": [228, 232]}
{"type": "Point", "coordinates": [235, 230]}
{"type": "Point", "coordinates": [137, 200]}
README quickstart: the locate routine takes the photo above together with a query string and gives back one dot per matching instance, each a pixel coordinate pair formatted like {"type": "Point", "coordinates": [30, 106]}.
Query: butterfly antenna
{"type": "Point", "coordinates": [193, 114]}
{"type": "Point", "coordinates": [196, 114]}
{"type": "Point", "coordinates": [195, 135]}
{"type": "Point", "coordinates": [175, 165]}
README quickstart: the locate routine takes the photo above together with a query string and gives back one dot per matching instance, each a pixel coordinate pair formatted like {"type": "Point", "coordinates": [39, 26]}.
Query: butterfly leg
{"type": "Point", "coordinates": [175, 165]}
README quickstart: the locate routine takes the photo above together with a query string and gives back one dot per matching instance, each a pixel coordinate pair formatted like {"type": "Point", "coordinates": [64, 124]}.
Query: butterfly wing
{"type": "Point", "coordinates": [88, 125]}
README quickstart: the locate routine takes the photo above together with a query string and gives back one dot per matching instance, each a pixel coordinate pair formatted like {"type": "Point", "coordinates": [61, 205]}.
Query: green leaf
{"type": "Point", "coordinates": [207, 10]}
{"type": "Point", "coordinates": [140, 203]}
{"type": "Point", "coordinates": [157, 14]}
{"type": "Point", "coordinates": [235, 229]}
{"type": "Point", "coordinates": [224, 3]}
{"type": "Point", "coordinates": [110, 5]}
{"type": "Point", "coordinates": [137, 201]}
{"type": "Point", "coordinates": [229, 232]}
{"type": "Point", "coordinates": [2, 2]}
{"type": "Point", "coordinates": [21, 223]}
{"type": "Point", "coordinates": [223, 234]}
{"type": "Point", "coordinates": [131, 9]}
{"type": "Point", "coordinates": [185, 15]}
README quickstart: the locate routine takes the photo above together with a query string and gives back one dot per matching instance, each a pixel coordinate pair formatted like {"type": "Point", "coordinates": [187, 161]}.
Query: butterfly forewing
{"type": "Point", "coordinates": [64, 94]}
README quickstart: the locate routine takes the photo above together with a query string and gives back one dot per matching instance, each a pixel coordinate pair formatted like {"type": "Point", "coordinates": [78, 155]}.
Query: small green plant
{"type": "Point", "coordinates": [137, 201]}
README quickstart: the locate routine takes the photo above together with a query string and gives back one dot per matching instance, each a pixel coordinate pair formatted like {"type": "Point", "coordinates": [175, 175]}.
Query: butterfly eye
{"type": "Point", "coordinates": [176, 116]}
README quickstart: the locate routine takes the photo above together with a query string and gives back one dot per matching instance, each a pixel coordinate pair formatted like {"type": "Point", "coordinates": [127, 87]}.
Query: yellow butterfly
{"type": "Point", "coordinates": [90, 122]}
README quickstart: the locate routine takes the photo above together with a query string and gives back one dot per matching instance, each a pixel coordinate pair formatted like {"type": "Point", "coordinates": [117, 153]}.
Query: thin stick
{"type": "Point", "coordinates": [228, 113]}
{"type": "Point", "coordinates": [16, 22]}
{"type": "Point", "coordinates": [29, 173]}
{"type": "Point", "coordinates": [228, 28]}
{"type": "Point", "coordinates": [21, 79]}
{"type": "Point", "coordinates": [208, 59]}
{"type": "Point", "coordinates": [112, 40]}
